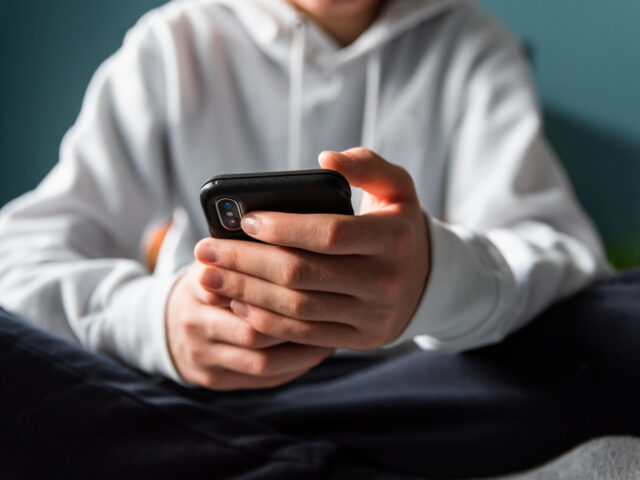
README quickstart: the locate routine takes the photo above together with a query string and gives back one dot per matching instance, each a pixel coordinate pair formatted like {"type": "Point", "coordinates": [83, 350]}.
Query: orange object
{"type": "Point", "coordinates": [153, 243]}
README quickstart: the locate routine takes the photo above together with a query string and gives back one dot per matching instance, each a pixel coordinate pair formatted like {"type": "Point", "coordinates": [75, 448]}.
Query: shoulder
{"type": "Point", "coordinates": [461, 43]}
{"type": "Point", "coordinates": [483, 46]}
{"type": "Point", "coordinates": [182, 24]}
{"type": "Point", "coordinates": [468, 26]}
{"type": "Point", "coordinates": [473, 48]}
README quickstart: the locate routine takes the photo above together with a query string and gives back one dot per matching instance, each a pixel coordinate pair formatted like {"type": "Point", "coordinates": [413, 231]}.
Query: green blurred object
{"type": "Point", "coordinates": [585, 55]}
{"type": "Point", "coordinates": [624, 255]}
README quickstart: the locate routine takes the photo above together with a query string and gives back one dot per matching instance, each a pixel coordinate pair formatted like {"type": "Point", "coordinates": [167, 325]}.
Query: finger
{"type": "Point", "coordinates": [370, 234]}
{"type": "Point", "coordinates": [295, 269]}
{"type": "Point", "coordinates": [225, 380]}
{"type": "Point", "coordinates": [206, 296]}
{"type": "Point", "coordinates": [320, 334]}
{"type": "Point", "coordinates": [365, 169]}
{"type": "Point", "coordinates": [269, 362]}
{"type": "Point", "coordinates": [222, 325]}
{"type": "Point", "coordinates": [300, 304]}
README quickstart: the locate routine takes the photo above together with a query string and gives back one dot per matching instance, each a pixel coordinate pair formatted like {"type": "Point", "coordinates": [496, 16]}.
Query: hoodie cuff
{"type": "Point", "coordinates": [136, 331]}
{"type": "Point", "coordinates": [468, 288]}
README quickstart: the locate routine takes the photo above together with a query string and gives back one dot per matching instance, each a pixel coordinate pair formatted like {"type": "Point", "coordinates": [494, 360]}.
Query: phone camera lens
{"type": "Point", "coordinates": [229, 213]}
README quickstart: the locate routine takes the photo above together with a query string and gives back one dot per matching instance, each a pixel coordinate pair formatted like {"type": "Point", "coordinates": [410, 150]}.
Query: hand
{"type": "Point", "coordinates": [330, 280]}
{"type": "Point", "coordinates": [212, 347]}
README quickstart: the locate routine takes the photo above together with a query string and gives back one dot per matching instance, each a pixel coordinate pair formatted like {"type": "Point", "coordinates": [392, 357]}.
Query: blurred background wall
{"type": "Point", "coordinates": [586, 56]}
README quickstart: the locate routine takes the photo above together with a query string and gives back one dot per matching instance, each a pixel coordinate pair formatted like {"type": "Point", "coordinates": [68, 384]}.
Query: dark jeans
{"type": "Point", "coordinates": [572, 375]}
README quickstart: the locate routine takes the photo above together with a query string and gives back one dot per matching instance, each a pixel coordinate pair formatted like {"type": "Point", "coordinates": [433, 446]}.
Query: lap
{"type": "Point", "coordinates": [80, 415]}
{"type": "Point", "coordinates": [569, 376]}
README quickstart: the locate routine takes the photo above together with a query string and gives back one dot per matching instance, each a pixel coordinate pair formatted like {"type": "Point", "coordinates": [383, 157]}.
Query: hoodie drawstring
{"type": "Point", "coordinates": [372, 92]}
{"type": "Point", "coordinates": [296, 72]}
{"type": "Point", "coordinates": [296, 88]}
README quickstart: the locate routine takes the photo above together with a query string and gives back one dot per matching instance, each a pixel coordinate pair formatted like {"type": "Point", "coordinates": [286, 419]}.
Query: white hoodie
{"type": "Point", "coordinates": [205, 87]}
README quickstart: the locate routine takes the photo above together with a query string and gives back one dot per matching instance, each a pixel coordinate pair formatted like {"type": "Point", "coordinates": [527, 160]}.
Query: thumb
{"type": "Point", "coordinates": [365, 169]}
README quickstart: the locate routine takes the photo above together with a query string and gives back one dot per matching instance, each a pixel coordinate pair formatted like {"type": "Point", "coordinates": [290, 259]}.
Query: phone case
{"type": "Point", "coordinates": [301, 191]}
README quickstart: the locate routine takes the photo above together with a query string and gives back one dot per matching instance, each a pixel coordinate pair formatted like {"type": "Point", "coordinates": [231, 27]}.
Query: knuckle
{"type": "Point", "coordinates": [238, 285]}
{"type": "Point", "coordinates": [193, 356]}
{"type": "Point", "coordinates": [259, 364]}
{"type": "Point", "coordinates": [292, 273]}
{"type": "Point", "coordinates": [248, 336]}
{"type": "Point", "coordinates": [367, 153]}
{"type": "Point", "coordinates": [191, 326]}
{"type": "Point", "coordinates": [331, 233]}
{"type": "Point", "coordinates": [273, 230]}
{"type": "Point", "coordinates": [260, 323]}
{"type": "Point", "coordinates": [301, 306]}
{"type": "Point", "coordinates": [212, 379]}
{"type": "Point", "coordinates": [304, 334]}
{"type": "Point", "coordinates": [409, 185]}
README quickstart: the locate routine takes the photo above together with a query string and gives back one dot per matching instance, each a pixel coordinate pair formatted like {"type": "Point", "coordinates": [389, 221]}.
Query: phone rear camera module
{"type": "Point", "coordinates": [229, 213]}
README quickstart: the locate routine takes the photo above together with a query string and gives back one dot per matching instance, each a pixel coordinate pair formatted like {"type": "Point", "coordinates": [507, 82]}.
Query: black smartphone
{"type": "Point", "coordinates": [227, 198]}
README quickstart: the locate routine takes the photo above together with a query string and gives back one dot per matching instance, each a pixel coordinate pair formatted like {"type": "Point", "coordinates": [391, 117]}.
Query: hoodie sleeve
{"type": "Point", "coordinates": [512, 238]}
{"type": "Point", "coordinates": [69, 249]}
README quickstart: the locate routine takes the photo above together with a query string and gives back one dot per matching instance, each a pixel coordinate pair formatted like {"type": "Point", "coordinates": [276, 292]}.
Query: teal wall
{"type": "Point", "coordinates": [586, 55]}
{"type": "Point", "coordinates": [48, 52]}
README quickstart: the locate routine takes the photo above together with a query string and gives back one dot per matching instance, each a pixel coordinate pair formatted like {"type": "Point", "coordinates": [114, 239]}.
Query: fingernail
{"type": "Point", "coordinates": [208, 254]}
{"type": "Point", "coordinates": [214, 279]}
{"type": "Point", "coordinates": [251, 224]}
{"type": "Point", "coordinates": [240, 309]}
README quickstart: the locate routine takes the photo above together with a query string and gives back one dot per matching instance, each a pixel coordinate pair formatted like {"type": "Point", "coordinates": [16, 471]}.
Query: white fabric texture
{"type": "Point", "coordinates": [205, 87]}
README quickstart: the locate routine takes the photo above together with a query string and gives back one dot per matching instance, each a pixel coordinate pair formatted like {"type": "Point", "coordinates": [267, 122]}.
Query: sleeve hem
{"type": "Point", "coordinates": [137, 329]}
{"type": "Point", "coordinates": [468, 288]}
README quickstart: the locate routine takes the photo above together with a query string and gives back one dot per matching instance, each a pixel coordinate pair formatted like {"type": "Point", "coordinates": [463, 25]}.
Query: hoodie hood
{"type": "Point", "coordinates": [287, 36]}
